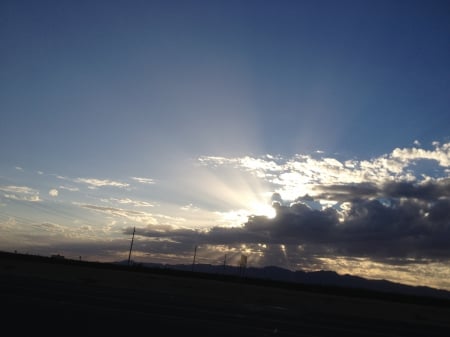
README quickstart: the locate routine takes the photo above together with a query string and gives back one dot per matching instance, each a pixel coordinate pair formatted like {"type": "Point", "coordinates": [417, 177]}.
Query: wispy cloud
{"type": "Point", "coordinates": [128, 201]}
{"type": "Point", "coordinates": [189, 208]}
{"type": "Point", "coordinates": [132, 215]}
{"type": "Point", "coordinates": [69, 188]}
{"type": "Point", "coordinates": [22, 193]}
{"type": "Point", "coordinates": [50, 228]}
{"type": "Point", "coordinates": [96, 183]}
{"type": "Point", "coordinates": [147, 181]}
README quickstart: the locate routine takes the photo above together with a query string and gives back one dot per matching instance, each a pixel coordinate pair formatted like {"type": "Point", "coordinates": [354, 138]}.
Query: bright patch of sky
{"type": "Point", "coordinates": [188, 119]}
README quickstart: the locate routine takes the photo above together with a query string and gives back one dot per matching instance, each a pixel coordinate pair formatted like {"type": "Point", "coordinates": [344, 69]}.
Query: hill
{"type": "Point", "coordinates": [326, 281]}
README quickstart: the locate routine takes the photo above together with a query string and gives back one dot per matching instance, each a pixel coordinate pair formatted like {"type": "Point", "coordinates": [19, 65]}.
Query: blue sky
{"type": "Point", "coordinates": [185, 118]}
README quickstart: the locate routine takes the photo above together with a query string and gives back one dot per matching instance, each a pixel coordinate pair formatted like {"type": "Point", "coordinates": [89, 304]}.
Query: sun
{"type": "Point", "coordinates": [263, 209]}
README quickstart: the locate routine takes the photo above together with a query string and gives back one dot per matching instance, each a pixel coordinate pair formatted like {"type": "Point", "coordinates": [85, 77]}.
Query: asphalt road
{"type": "Point", "coordinates": [46, 307]}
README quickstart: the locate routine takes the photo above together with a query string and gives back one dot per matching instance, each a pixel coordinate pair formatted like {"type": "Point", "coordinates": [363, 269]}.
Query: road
{"type": "Point", "coordinates": [169, 306]}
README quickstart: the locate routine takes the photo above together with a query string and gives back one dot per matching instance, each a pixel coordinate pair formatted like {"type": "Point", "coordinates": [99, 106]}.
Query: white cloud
{"type": "Point", "coordinates": [53, 192]}
{"type": "Point", "coordinates": [18, 168]}
{"type": "Point", "coordinates": [148, 181]}
{"type": "Point", "coordinates": [22, 193]}
{"type": "Point", "coordinates": [265, 163]}
{"type": "Point", "coordinates": [95, 183]}
{"type": "Point", "coordinates": [18, 189]}
{"type": "Point", "coordinates": [259, 164]}
{"type": "Point", "coordinates": [217, 161]}
{"type": "Point", "coordinates": [136, 203]}
{"type": "Point", "coordinates": [189, 208]}
{"type": "Point", "coordinates": [441, 154]}
{"type": "Point", "coordinates": [296, 176]}
{"type": "Point", "coordinates": [69, 188]}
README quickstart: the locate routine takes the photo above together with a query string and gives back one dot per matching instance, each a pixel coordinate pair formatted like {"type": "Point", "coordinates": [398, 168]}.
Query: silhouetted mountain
{"type": "Point", "coordinates": [320, 281]}
{"type": "Point", "coordinates": [316, 278]}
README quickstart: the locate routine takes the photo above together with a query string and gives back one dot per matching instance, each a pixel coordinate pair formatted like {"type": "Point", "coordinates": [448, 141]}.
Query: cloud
{"type": "Point", "coordinates": [428, 190]}
{"type": "Point", "coordinates": [95, 183]}
{"type": "Point", "coordinates": [69, 188]}
{"type": "Point", "coordinates": [8, 225]}
{"type": "Point", "coordinates": [441, 154]}
{"type": "Point", "coordinates": [22, 193]}
{"type": "Point", "coordinates": [148, 181]}
{"type": "Point", "coordinates": [50, 228]}
{"type": "Point", "coordinates": [137, 216]}
{"type": "Point", "coordinates": [404, 230]}
{"type": "Point", "coordinates": [385, 208]}
{"type": "Point", "coordinates": [189, 208]}
{"type": "Point", "coordinates": [301, 174]}
{"type": "Point", "coordinates": [261, 167]}
{"type": "Point", "coordinates": [18, 168]}
{"type": "Point", "coordinates": [135, 203]}
{"type": "Point", "coordinates": [92, 183]}
{"type": "Point", "coordinates": [53, 192]}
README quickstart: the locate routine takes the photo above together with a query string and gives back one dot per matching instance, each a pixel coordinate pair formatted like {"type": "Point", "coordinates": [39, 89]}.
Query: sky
{"type": "Point", "coordinates": [309, 135]}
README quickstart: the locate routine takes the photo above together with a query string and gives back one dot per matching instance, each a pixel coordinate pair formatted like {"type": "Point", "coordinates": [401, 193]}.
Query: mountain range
{"type": "Point", "coordinates": [320, 280]}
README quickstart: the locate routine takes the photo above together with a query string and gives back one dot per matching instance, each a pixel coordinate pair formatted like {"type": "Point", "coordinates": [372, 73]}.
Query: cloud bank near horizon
{"type": "Point", "coordinates": [394, 208]}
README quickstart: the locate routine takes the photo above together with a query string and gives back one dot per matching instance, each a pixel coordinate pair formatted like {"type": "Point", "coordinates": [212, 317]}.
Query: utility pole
{"type": "Point", "coordinates": [131, 246]}
{"type": "Point", "coordinates": [195, 254]}
{"type": "Point", "coordinates": [243, 265]}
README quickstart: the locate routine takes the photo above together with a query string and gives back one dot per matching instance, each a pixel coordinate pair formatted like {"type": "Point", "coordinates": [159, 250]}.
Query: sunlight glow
{"type": "Point", "coordinates": [235, 194]}
{"type": "Point", "coordinates": [237, 218]}
{"type": "Point", "coordinates": [432, 274]}
{"type": "Point", "coordinates": [263, 209]}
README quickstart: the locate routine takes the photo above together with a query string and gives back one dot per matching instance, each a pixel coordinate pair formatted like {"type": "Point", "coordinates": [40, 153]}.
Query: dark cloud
{"type": "Point", "coordinates": [276, 198]}
{"type": "Point", "coordinates": [392, 222]}
{"type": "Point", "coordinates": [426, 190]}
{"type": "Point", "coordinates": [166, 233]}
{"type": "Point", "coordinates": [430, 190]}
{"type": "Point", "coordinates": [347, 192]}
{"type": "Point", "coordinates": [297, 221]}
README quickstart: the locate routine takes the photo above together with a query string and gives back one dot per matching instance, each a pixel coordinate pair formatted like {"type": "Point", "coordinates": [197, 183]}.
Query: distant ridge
{"type": "Point", "coordinates": [315, 278]}
{"type": "Point", "coordinates": [320, 281]}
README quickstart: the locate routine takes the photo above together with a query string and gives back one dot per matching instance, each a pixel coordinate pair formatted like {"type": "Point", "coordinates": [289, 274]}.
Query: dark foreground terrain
{"type": "Point", "coordinates": [47, 297]}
